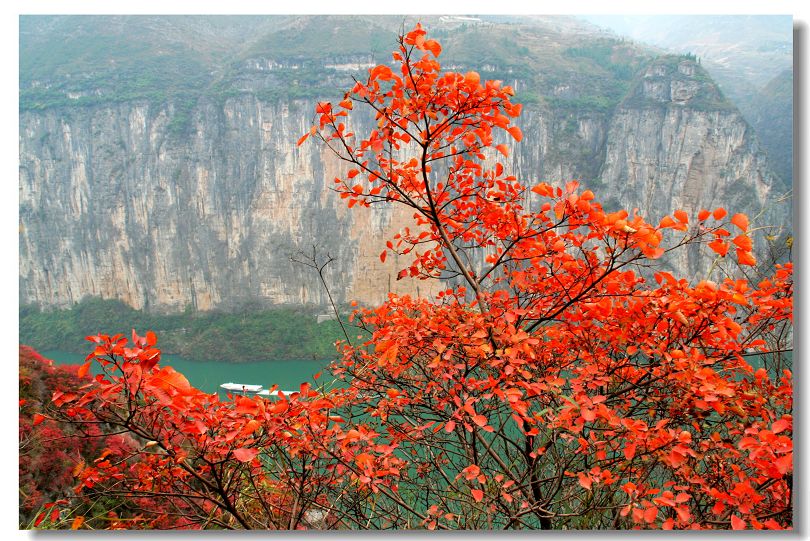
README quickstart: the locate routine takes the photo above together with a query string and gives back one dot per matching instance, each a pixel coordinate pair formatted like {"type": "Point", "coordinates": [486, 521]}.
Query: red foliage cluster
{"type": "Point", "coordinates": [556, 387]}
{"type": "Point", "coordinates": [52, 452]}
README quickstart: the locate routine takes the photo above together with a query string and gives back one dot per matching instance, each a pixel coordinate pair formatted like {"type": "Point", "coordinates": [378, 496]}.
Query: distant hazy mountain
{"type": "Point", "coordinates": [750, 56]}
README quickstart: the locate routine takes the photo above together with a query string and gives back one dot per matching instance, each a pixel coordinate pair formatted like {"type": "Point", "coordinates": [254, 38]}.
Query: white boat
{"type": "Point", "coordinates": [242, 387]}
{"type": "Point", "coordinates": [277, 392]}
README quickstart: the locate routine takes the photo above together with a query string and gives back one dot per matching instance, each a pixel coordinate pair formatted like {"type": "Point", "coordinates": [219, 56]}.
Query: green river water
{"type": "Point", "coordinates": [209, 375]}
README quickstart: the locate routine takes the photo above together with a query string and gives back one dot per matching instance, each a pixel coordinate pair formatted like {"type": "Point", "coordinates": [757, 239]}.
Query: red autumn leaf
{"type": "Point", "coordinates": [503, 149]}
{"type": "Point", "coordinates": [585, 480]}
{"type": "Point", "coordinates": [38, 418]}
{"type": "Point", "coordinates": [743, 242]}
{"type": "Point", "coordinates": [784, 463]}
{"type": "Point", "coordinates": [780, 426]}
{"type": "Point", "coordinates": [82, 371]}
{"type": "Point", "coordinates": [471, 472]}
{"type": "Point", "coordinates": [719, 247]}
{"type": "Point", "coordinates": [741, 221]}
{"type": "Point", "coordinates": [381, 72]}
{"type": "Point", "coordinates": [383, 254]}
{"type": "Point", "coordinates": [681, 216]}
{"type": "Point", "coordinates": [246, 406]}
{"type": "Point", "coordinates": [40, 518]}
{"type": "Point", "coordinates": [245, 454]}
{"type": "Point", "coordinates": [629, 451]}
{"type": "Point", "coordinates": [719, 213]}
{"type": "Point", "coordinates": [737, 523]}
{"type": "Point", "coordinates": [666, 221]}
{"type": "Point", "coordinates": [745, 257]}
{"type": "Point", "coordinates": [553, 324]}
{"type": "Point", "coordinates": [433, 46]}
{"type": "Point", "coordinates": [516, 133]}
{"type": "Point", "coordinates": [588, 414]}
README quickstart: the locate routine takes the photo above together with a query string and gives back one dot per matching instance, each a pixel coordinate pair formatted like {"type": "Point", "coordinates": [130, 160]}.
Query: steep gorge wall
{"type": "Point", "coordinates": [116, 202]}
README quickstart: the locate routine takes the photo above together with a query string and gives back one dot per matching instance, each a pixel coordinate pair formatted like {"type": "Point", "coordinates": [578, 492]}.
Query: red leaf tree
{"type": "Point", "coordinates": [550, 385]}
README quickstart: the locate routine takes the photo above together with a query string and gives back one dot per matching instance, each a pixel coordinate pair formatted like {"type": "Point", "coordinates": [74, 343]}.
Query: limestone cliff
{"type": "Point", "coordinates": [169, 205]}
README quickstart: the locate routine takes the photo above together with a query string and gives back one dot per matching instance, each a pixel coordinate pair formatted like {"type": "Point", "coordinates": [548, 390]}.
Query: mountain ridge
{"type": "Point", "coordinates": [193, 193]}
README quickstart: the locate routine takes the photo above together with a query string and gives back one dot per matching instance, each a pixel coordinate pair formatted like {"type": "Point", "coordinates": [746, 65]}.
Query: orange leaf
{"type": "Point", "coordinates": [83, 369]}
{"type": "Point", "coordinates": [503, 149]}
{"type": "Point", "coordinates": [585, 481]}
{"type": "Point", "coordinates": [77, 523]}
{"type": "Point", "coordinates": [246, 406]}
{"type": "Point", "coordinates": [737, 523]}
{"type": "Point", "coordinates": [478, 495]}
{"type": "Point", "coordinates": [629, 451]}
{"type": "Point", "coordinates": [480, 420]}
{"type": "Point", "coordinates": [666, 221]}
{"type": "Point", "coordinates": [471, 472]}
{"type": "Point", "coordinates": [703, 215]}
{"type": "Point", "coordinates": [516, 133]}
{"type": "Point", "coordinates": [784, 463]}
{"type": "Point", "coordinates": [151, 338]}
{"type": "Point", "coordinates": [244, 454]}
{"type": "Point", "coordinates": [38, 418]}
{"type": "Point", "coordinates": [745, 258]}
{"type": "Point", "coordinates": [433, 46]}
{"type": "Point", "coordinates": [681, 216]}
{"type": "Point", "coordinates": [741, 221]}
{"type": "Point", "coordinates": [780, 426]}
{"type": "Point", "coordinates": [381, 72]}
{"type": "Point", "coordinates": [302, 139]}
{"type": "Point", "coordinates": [743, 242]}
{"type": "Point", "coordinates": [719, 246]}
{"type": "Point", "coordinates": [382, 256]}
{"type": "Point", "coordinates": [543, 190]}
{"type": "Point", "coordinates": [450, 426]}
{"type": "Point", "coordinates": [719, 213]}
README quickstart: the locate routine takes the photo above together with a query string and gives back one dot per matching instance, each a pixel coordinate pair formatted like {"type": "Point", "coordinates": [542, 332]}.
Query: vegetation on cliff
{"type": "Point", "coordinates": [247, 335]}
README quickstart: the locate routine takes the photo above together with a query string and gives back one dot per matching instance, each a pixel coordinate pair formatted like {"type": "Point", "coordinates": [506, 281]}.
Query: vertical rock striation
{"type": "Point", "coordinates": [117, 202]}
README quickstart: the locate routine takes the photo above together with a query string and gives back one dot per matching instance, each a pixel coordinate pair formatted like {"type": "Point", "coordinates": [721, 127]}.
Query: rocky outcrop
{"type": "Point", "coordinates": [116, 202]}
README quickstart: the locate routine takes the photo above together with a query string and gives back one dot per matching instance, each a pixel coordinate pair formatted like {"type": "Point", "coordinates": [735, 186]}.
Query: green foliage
{"type": "Point", "coordinates": [707, 98]}
{"type": "Point", "coordinates": [344, 35]}
{"type": "Point", "coordinates": [252, 335]}
{"type": "Point", "coordinates": [591, 103]}
{"type": "Point", "coordinates": [180, 123]}
{"type": "Point", "coordinates": [610, 55]}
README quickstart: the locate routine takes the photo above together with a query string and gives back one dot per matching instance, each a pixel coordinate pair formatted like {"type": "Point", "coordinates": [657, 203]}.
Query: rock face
{"type": "Point", "coordinates": [115, 203]}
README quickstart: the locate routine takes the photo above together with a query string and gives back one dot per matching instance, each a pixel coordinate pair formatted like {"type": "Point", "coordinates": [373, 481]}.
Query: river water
{"type": "Point", "coordinates": [209, 375]}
